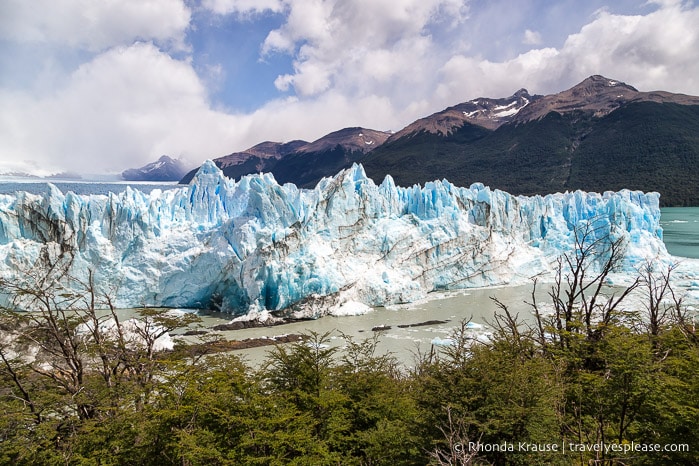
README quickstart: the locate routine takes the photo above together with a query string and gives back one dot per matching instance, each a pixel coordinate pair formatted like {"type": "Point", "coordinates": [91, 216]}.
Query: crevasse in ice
{"type": "Point", "coordinates": [254, 245]}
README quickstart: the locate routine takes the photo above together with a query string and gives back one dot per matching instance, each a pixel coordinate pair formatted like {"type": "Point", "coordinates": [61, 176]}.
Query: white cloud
{"type": "Point", "coordinates": [308, 119]}
{"type": "Point", "coordinates": [132, 104]}
{"type": "Point", "coordinates": [128, 105]}
{"type": "Point", "coordinates": [360, 46]}
{"type": "Point", "coordinates": [532, 37]}
{"type": "Point", "coordinates": [657, 51]}
{"type": "Point", "coordinates": [463, 78]}
{"type": "Point", "coordinates": [224, 7]}
{"type": "Point", "coordinates": [93, 24]}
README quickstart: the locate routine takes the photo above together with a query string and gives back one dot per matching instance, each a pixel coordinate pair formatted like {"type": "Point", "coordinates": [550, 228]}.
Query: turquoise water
{"type": "Point", "coordinates": [681, 230]}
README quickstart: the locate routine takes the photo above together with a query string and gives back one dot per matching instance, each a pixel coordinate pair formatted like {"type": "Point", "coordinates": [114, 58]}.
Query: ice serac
{"type": "Point", "coordinates": [253, 245]}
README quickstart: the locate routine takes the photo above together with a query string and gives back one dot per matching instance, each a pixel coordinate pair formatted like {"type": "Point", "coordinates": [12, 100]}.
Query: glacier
{"type": "Point", "coordinates": [254, 246]}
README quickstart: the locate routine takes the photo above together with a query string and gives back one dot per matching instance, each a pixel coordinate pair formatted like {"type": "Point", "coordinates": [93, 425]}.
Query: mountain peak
{"type": "Point", "coordinates": [596, 84]}
{"type": "Point", "coordinates": [351, 139]}
{"type": "Point", "coordinates": [166, 159]}
{"type": "Point", "coordinates": [262, 154]}
{"type": "Point", "coordinates": [483, 111]}
{"type": "Point", "coordinates": [164, 169]}
{"type": "Point", "coordinates": [596, 94]}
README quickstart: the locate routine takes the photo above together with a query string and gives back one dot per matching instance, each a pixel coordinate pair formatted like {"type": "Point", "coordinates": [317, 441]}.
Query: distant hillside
{"type": "Point", "coordinates": [300, 162]}
{"type": "Point", "coordinates": [646, 146]}
{"type": "Point", "coordinates": [257, 159]}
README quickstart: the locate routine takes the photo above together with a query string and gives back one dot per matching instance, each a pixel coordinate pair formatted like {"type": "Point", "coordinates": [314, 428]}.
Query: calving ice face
{"type": "Point", "coordinates": [255, 246]}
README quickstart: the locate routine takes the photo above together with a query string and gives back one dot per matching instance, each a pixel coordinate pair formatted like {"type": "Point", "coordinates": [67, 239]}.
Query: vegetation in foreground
{"type": "Point", "coordinates": [79, 387]}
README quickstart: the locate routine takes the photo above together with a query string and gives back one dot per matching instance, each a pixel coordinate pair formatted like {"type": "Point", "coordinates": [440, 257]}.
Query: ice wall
{"type": "Point", "coordinates": [254, 245]}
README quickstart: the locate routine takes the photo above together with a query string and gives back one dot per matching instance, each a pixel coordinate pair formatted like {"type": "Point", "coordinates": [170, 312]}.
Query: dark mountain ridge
{"type": "Point", "coordinates": [300, 162]}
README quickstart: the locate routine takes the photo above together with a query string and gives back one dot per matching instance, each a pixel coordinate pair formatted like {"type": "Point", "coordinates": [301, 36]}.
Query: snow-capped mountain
{"type": "Point", "coordinates": [164, 169]}
{"type": "Point", "coordinates": [254, 245]}
{"type": "Point", "coordinates": [486, 112]}
{"type": "Point", "coordinates": [597, 95]}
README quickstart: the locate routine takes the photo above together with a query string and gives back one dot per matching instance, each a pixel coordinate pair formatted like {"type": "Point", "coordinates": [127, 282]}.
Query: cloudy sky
{"type": "Point", "coordinates": [97, 86]}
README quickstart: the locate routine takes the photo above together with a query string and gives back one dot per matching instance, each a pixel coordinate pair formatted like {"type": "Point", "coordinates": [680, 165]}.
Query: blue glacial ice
{"type": "Point", "coordinates": [253, 245]}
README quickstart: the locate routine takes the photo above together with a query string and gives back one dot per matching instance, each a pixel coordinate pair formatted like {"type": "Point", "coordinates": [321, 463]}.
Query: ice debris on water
{"type": "Point", "coordinates": [437, 341]}
{"type": "Point", "coordinates": [253, 246]}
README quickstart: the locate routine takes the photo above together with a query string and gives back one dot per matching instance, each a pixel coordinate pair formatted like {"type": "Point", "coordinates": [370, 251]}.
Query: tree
{"type": "Point", "coordinates": [68, 358]}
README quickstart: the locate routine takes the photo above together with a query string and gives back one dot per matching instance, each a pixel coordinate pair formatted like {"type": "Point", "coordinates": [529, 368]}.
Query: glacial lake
{"type": "Point", "coordinates": [681, 230]}
{"type": "Point", "coordinates": [452, 308]}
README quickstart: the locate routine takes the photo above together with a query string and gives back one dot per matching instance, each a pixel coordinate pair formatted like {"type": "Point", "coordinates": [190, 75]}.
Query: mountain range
{"type": "Point", "coordinates": [600, 135]}
{"type": "Point", "coordinates": [300, 162]}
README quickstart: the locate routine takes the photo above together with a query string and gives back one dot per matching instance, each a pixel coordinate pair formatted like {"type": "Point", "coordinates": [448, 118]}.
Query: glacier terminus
{"type": "Point", "coordinates": [253, 246]}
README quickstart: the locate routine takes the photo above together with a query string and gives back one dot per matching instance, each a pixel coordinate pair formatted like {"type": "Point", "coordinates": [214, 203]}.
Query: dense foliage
{"type": "Point", "coordinates": [587, 372]}
{"type": "Point", "coordinates": [642, 145]}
